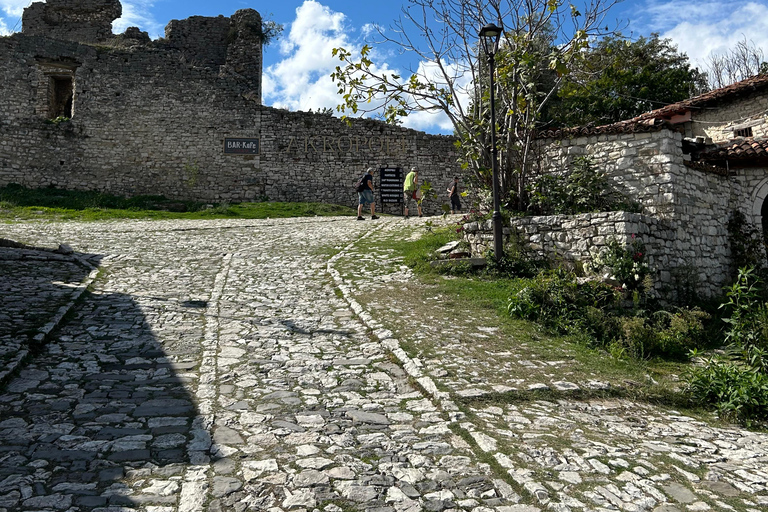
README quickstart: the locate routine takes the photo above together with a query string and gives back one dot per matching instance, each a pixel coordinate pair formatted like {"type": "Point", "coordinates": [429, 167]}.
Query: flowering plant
{"type": "Point", "coordinates": [626, 263]}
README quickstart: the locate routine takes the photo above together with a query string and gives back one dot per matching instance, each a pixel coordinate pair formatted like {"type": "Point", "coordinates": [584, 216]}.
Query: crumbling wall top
{"type": "Point", "coordinates": [87, 21]}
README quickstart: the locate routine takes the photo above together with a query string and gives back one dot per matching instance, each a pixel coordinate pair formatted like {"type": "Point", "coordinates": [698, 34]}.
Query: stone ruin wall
{"type": "Point", "coordinates": [72, 20]}
{"type": "Point", "coordinates": [685, 210]}
{"type": "Point", "coordinates": [580, 238]}
{"type": "Point", "coordinates": [150, 120]}
{"type": "Point", "coordinates": [318, 157]}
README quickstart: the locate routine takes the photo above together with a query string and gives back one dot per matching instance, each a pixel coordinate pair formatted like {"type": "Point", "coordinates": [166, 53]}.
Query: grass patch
{"type": "Point", "coordinates": [457, 323]}
{"type": "Point", "coordinates": [20, 203]}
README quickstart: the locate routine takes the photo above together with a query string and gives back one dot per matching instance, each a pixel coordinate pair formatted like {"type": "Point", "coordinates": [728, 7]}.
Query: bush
{"type": "Point", "coordinates": [557, 301]}
{"type": "Point", "coordinates": [737, 382]}
{"type": "Point", "coordinates": [738, 391]}
{"type": "Point", "coordinates": [580, 189]}
{"type": "Point", "coordinates": [625, 263]}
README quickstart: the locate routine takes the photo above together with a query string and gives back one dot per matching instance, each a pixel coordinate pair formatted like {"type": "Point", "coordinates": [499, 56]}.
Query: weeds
{"type": "Point", "coordinates": [736, 382]}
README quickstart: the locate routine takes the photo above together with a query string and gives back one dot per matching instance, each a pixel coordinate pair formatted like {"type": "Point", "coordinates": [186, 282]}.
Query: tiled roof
{"type": "Point", "coordinates": [733, 91]}
{"type": "Point", "coordinates": [630, 126]}
{"type": "Point", "coordinates": [740, 150]}
{"type": "Point", "coordinates": [656, 120]}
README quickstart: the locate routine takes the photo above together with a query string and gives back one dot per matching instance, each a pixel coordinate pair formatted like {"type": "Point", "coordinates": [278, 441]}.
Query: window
{"type": "Point", "coordinates": [60, 96]}
{"type": "Point", "coordinates": [56, 95]}
{"type": "Point", "coordinates": [743, 132]}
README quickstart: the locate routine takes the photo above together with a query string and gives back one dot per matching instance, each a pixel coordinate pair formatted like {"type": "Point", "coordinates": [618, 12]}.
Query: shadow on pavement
{"type": "Point", "coordinates": [100, 406]}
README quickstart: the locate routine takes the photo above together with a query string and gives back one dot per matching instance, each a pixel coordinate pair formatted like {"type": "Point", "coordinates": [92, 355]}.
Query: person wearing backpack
{"type": "Point", "coordinates": [365, 195]}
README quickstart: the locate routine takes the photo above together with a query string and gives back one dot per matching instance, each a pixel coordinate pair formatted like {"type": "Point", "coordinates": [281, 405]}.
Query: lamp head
{"type": "Point", "coordinates": [489, 38]}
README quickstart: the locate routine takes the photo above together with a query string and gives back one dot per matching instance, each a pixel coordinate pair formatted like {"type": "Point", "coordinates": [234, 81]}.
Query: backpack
{"type": "Point", "coordinates": [360, 185]}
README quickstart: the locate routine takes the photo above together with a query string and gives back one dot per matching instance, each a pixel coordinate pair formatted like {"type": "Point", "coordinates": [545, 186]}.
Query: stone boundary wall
{"type": "Point", "coordinates": [578, 239]}
{"type": "Point", "coordinates": [645, 166]}
{"type": "Point", "coordinates": [148, 122]}
{"type": "Point", "coordinates": [318, 157]}
{"type": "Point", "coordinates": [650, 169]}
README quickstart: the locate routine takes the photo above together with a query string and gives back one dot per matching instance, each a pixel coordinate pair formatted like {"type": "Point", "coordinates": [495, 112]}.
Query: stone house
{"type": "Point", "coordinates": [84, 109]}
{"type": "Point", "coordinates": [689, 166]}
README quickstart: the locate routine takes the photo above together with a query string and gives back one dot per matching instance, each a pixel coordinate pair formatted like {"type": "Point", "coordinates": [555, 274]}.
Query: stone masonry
{"type": "Point", "coordinates": [686, 210]}
{"type": "Point", "coordinates": [260, 369]}
{"type": "Point", "coordinates": [134, 116]}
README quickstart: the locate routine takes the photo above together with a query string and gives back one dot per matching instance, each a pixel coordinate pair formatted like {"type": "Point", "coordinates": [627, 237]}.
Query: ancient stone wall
{"type": "Point", "coordinates": [568, 239]}
{"type": "Point", "coordinates": [684, 211]}
{"type": "Point", "coordinates": [643, 166]}
{"type": "Point", "coordinates": [72, 20]}
{"type": "Point", "coordinates": [146, 120]}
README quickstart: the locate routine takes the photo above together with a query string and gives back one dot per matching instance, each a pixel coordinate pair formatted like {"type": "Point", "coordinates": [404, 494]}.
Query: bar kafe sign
{"type": "Point", "coordinates": [241, 146]}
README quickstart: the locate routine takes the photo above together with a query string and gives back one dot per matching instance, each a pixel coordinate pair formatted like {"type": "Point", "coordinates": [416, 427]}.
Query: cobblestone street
{"type": "Point", "coordinates": [228, 366]}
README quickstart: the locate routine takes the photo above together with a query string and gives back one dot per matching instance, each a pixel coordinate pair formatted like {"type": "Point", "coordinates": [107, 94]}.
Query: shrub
{"type": "Point", "coordinates": [738, 391]}
{"type": "Point", "coordinates": [747, 246]}
{"type": "Point", "coordinates": [579, 189]}
{"type": "Point", "coordinates": [737, 383]}
{"type": "Point", "coordinates": [627, 264]}
{"type": "Point", "coordinates": [557, 301]}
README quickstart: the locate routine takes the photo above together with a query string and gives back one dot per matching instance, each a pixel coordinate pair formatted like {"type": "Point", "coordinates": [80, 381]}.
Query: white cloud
{"type": "Point", "coordinates": [137, 13]}
{"type": "Point", "coordinates": [4, 30]}
{"type": "Point", "coordinates": [301, 80]}
{"type": "Point", "coordinates": [14, 8]}
{"type": "Point", "coordinates": [10, 15]}
{"type": "Point", "coordinates": [708, 27]}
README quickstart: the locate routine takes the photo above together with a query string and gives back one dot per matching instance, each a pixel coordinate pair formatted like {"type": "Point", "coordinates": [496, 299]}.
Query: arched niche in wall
{"type": "Point", "coordinates": [760, 207]}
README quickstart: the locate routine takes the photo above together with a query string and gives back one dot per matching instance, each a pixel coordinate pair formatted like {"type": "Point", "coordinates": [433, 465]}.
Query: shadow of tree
{"type": "Point", "coordinates": [101, 415]}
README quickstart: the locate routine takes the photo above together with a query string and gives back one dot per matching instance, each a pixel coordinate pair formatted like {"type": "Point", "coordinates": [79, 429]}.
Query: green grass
{"type": "Point", "coordinates": [20, 203]}
{"type": "Point", "coordinates": [438, 316]}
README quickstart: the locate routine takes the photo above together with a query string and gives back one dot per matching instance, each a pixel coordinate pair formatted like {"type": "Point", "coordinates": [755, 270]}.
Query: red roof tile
{"type": "Point", "coordinates": [738, 150]}
{"type": "Point", "coordinates": [730, 92]}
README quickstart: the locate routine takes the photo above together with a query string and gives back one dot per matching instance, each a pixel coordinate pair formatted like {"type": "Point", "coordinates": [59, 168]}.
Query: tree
{"type": "Point", "coordinates": [741, 62]}
{"type": "Point", "coordinates": [619, 79]}
{"type": "Point", "coordinates": [542, 40]}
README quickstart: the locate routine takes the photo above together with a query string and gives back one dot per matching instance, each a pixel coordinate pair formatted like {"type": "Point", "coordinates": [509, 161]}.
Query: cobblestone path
{"type": "Point", "coordinates": [217, 365]}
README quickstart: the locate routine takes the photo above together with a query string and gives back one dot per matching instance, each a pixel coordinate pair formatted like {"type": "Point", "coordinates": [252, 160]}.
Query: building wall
{"type": "Point", "coordinates": [720, 122]}
{"type": "Point", "coordinates": [151, 119]}
{"type": "Point", "coordinates": [685, 212]}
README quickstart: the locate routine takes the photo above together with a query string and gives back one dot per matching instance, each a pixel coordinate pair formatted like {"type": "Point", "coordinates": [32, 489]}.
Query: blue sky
{"type": "Point", "coordinates": [297, 67]}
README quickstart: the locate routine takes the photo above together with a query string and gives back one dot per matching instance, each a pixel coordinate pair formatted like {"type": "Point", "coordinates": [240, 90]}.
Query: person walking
{"type": "Point", "coordinates": [454, 195]}
{"type": "Point", "coordinates": [366, 196]}
{"type": "Point", "coordinates": [411, 190]}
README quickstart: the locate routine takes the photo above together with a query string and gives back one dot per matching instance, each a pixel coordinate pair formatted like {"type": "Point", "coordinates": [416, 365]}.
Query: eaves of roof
{"type": "Point", "coordinates": [741, 151]}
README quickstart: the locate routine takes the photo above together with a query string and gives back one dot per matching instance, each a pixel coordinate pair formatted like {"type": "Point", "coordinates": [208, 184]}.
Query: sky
{"type": "Point", "coordinates": [298, 65]}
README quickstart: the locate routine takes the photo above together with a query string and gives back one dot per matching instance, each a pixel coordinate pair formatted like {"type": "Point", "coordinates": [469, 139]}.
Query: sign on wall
{"type": "Point", "coordinates": [241, 146]}
{"type": "Point", "coordinates": [391, 185]}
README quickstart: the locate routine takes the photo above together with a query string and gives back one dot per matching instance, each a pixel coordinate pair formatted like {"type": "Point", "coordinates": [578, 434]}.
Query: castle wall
{"type": "Point", "coordinates": [145, 120]}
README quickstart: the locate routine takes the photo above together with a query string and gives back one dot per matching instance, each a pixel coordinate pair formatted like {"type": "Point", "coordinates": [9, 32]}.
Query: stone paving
{"type": "Point", "coordinates": [227, 365]}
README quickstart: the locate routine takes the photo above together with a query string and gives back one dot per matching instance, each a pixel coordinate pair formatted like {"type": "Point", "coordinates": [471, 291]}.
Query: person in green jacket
{"type": "Point", "coordinates": [411, 190]}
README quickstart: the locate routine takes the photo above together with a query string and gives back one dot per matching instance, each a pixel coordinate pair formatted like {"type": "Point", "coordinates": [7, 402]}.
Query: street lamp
{"type": "Point", "coordinates": [489, 38]}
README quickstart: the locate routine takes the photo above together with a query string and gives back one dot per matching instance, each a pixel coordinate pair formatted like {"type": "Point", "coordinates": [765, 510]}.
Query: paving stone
{"type": "Point", "coordinates": [233, 374]}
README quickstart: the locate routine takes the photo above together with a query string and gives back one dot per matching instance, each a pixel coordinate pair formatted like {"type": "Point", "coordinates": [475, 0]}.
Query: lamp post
{"type": "Point", "coordinates": [489, 38]}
